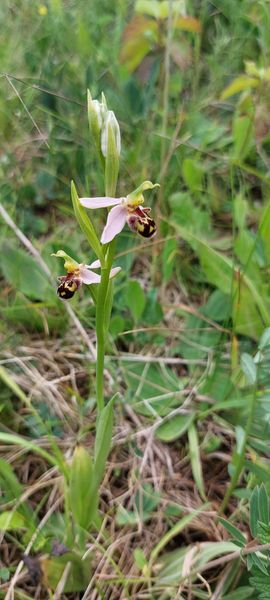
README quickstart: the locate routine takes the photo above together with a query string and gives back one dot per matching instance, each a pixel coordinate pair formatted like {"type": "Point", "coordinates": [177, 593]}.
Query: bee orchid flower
{"type": "Point", "coordinates": [128, 210]}
{"type": "Point", "coordinates": [78, 273]}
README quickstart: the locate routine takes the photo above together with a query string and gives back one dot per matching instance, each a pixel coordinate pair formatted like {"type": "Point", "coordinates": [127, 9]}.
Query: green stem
{"type": "Point", "coordinates": [103, 312]}
{"type": "Point", "coordinates": [101, 335]}
{"type": "Point", "coordinates": [241, 457]}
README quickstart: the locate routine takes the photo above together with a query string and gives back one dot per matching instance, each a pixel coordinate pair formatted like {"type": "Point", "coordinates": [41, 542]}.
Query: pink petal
{"type": "Point", "coordinates": [89, 277]}
{"type": "Point", "coordinates": [101, 202]}
{"type": "Point", "coordinates": [114, 271]}
{"type": "Point", "coordinates": [115, 223]}
{"type": "Point", "coordinates": [94, 265]}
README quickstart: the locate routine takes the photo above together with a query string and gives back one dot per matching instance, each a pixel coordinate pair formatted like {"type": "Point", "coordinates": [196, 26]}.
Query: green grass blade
{"type": "Point", "coordinates": [175, 530]}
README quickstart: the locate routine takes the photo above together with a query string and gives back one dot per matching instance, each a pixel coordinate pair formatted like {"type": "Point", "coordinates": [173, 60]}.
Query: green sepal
{"type": "Point", "coordinates": [136, 197]}
{"type": "Point", "coordinates": [70, 264]}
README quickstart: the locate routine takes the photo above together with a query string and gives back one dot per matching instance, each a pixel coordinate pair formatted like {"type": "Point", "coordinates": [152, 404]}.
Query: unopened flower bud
{"type": "Point", "coordinates": [96, 117]}
{"type": "Point", "coordinates": [110, 135]}
{"type": "Point", "coordinates": [110, 148]}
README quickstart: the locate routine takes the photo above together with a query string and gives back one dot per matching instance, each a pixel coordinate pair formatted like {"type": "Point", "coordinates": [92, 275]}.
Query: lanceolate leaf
{"type": "Point", "coordinates": [103, 439]}
{"type": "Point", "coordinates": [174, 428]}
{"type": "Point", "coordinates": [265, 339]}
{"type": "Point", "coordinates": [234, 532]}
{"type": "Point", "coordinates": [85, 223]}
{"type": "Point", "coordinates": [249, 368]}
{"type": "Point", "coordinates": [263, 502]}
{"type": "Point", "coordinates": [83, 488]}
{"type": "Point", "coordinates": [195, 459]}
{"type": "Point", "coordinates": [254, 511]}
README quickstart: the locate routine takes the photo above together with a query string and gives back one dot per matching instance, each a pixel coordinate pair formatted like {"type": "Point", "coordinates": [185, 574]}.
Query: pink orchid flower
{"type": "Point", "coordinates": [128, 210]}
{"type": "Point", "coordinates": [78, 273]}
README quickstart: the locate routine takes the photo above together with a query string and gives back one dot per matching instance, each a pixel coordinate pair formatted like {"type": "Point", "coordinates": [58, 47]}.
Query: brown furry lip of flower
{"type": "Point", "coordinates": [78, 273]}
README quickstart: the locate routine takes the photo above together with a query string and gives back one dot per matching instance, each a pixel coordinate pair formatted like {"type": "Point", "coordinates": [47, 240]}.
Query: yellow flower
{"type": "Point", "coordinates": [42, 10]}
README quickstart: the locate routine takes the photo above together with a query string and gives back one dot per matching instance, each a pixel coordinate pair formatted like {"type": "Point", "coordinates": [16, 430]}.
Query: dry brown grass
{"type": "Point", "coordinates": [59, 373]}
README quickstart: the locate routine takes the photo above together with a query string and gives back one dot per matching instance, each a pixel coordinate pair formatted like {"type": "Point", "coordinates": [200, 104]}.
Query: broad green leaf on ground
{"type": "Point", "coordinates": [218, 307]}
{"type": "Point", "coordinates": [186, 211]}
{"type": "Point", "coordinates": [243, 137]}
{"type": "Point", "coordinates": [12, 520]}
{"type": "Point", "coordinates": [140, 558]}
{"type": "Point", "coordinates": [249, 368]}
{"type": "Point", "coordinates": [265, 339]}
{"type": "Point", "coordinates": [24, 274]}
{"type": "Point", "coordinates": [79, 572]}
{"type": "Point", "coordinates": [117, 325]}
{"type": "Point", "coordinates": [193, 174]}
{"type": "Point", "coordinates": [39, 316]}
{"type": "Point", "coordinates": [217, 267]}
{"type": "Point", "coordinates": [135, 298]}
{"type": "Point", "coordinates": [153, 390]}
{"type": "Point", "coordinates": [218, 385]}
{"type": "Point", "coordinates": [251, 308]}
{"type": "Point", "coordinates": [172, 563]}
{"type": "Point", "coordinates": [250, 252]}
{"type": "Point", "coordinates": [4, 574]}
{"type": "Point", "coordinates": [242, 593]}
{"type": "Point", "coordinates": [198, 339]}
{"type": "Point", "coordinates": [153, 312]}
{"type": "Point", "coordinates": [240, 211]}
{"type": "Point", "coordinates": [174, 428]}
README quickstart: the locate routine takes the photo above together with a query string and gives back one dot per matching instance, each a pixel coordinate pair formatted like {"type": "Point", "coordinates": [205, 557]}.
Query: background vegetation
{"type": "Point", "coordinates": [189, 351]}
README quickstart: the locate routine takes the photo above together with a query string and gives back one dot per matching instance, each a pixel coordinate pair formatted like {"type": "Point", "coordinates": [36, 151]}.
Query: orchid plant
{"type": "Point", "coordinates": [98, 277]}
{"type": "Point", "coordinates": [124, 210]}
